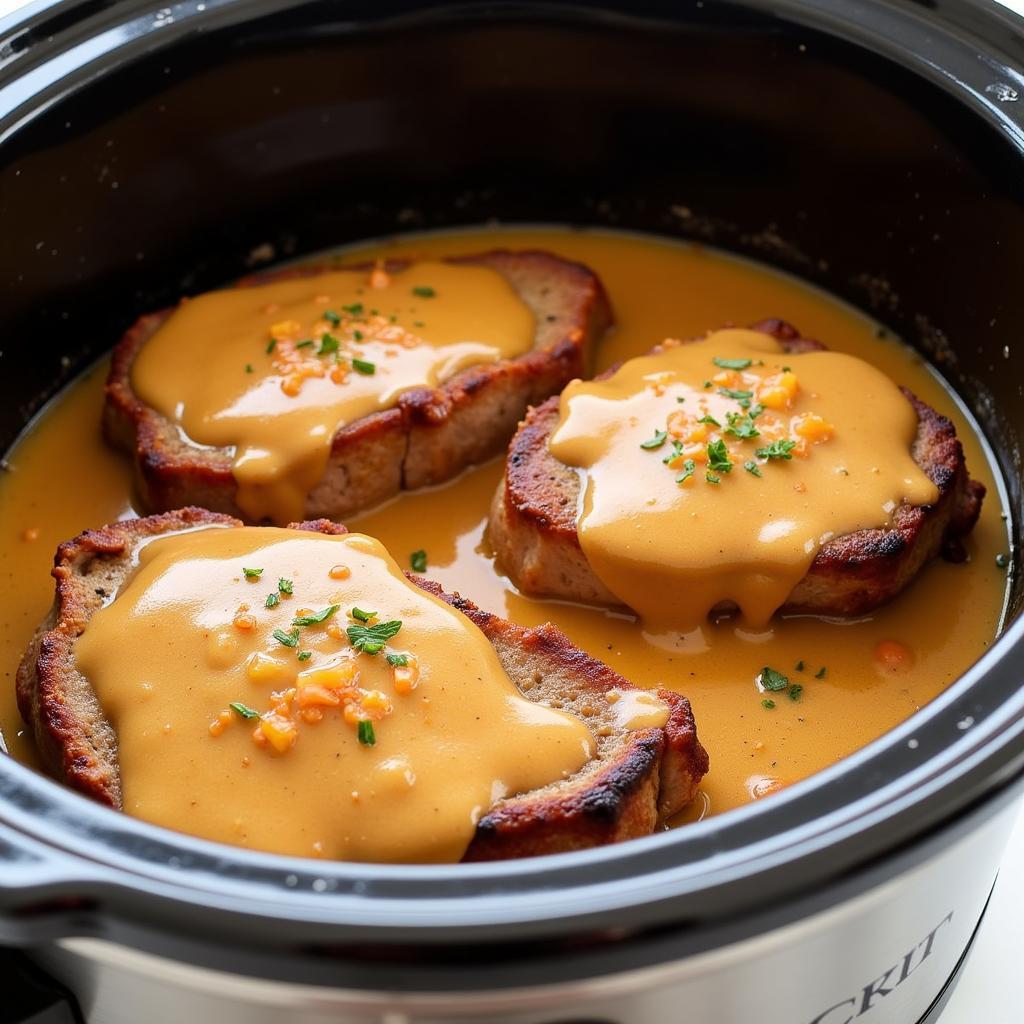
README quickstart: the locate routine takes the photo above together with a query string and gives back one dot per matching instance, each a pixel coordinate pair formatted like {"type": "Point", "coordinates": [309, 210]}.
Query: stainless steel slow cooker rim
{"type": "Point", "coordinates": [104, 833]}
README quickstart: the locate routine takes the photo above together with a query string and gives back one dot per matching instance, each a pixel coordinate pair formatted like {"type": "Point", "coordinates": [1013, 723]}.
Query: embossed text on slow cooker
{"type": "Point", "coordinates": [867, 998]}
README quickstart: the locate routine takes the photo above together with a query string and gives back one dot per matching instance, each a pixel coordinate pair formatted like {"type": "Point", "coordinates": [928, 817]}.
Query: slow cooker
{"type": "Point", "coordinates": [874, 147]}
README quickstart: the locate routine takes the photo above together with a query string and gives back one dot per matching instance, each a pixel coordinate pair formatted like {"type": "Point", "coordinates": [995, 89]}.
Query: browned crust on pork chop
{"type": "Point", "coordinates": [427, 438]}
{"type": "Point", "coordinates": [634, 783]}
{"type": "Point", "coordinates": [532, 525]}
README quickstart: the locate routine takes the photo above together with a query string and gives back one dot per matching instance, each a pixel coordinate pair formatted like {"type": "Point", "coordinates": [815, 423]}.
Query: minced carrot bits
{"type": "Point", "coordinates": [893, 655]}
{"type": "Point", "coordinates": [339, 572]}
{"type": "Point", "coordinates": [812, 427]}
{"type": "Point", "coordinates": [243, 619]}
{"type": "Point", "coordinates": [778, 390]}
{"type": "Point", "coordinates": [220, 723]}
{"type": "Point", "coordinates": [379, 277]}
{"type": "Point", "coordinates": [406, 676]}
{"type": "Point", "coordinates": [280, 732]}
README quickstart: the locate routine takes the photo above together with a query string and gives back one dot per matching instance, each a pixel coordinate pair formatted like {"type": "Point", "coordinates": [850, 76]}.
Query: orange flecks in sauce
{"type": "Point", "coordinates": [894, 656]}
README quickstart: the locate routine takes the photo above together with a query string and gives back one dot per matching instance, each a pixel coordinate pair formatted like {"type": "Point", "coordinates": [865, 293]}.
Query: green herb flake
{"type": "Point", "coordinates": [271, 345]}
{"type": "Point", "coordinates": [743, 397]}
{"type": "Point", "coordinates": [680, 399]}
{"type": "Point", "coordinates": [315, 618]}
{"type": "Point", "coordinates": [707, 383]}
{"type": "Point", "coordinates": [732, 364]}
{"type": "Point", "coordinates": [751, 467]}
{"type": "Point", "coordinates": [358, 335]}
{"type": "Point", "coordinates": [654, 442]}
{"type": "Point", "coordinates": [248, 367]}
{"type": "Point", "coordinates": [305, 655]}
{"type": "Point", "coordinates": [418, 561]}
{"type": "Point", "coordinates": [424, 291]}
{"type": "Point", "coordinates": [718, 457]}
{"type": "Point", "coordinates": [252, 574]}
{"type": "Point", "coordinates": [796, 691]}
{"type": "Point", "coordinates": [328, 344]}
{"type": "Point", "coordinates": [708, 418]}
{"type": "Point", "coordinates": [771, 679]}
{"type": "Point", "coordinates": [711, 478]}
{"type": "Point", "coordinates": [366, 734]}
{"type": "Point", "coordinates": [397, 659]}
{"type": "Point", "coordinates": [820, 674]}
{"type": "Point", "coordinates": [689, 468]}
{"type": "Point", "coordinates": [777, 450]}
{"type": "Point", "coordinates": [356, 309]}
{"type": "Point", "coordinates": [768, 704]}
{"type": "Point", "coordinates": [362, 616]}
{"type": "Point", "coordinates": [306, 343]}
{"type": "Point", "coordinates": [289, 639]}
{"type": "Point", "coordinates": [362, 366]}
{"type": "Point", "coordinates": [243, 710]}
{"type": "Point", "coordinates": [273, 600]}
{"type": "Point", "coordinates": [331, 317]}
{"type": "Point", "coordinates": [742, 426]}
{"type": "Point", "coordinates": [371, 639]}
{"type": "Point", "coordinates": [285, 586]}
{"type": "Point", "coordinates": [800, 665]}
{"type": "Point", "coordinates": [675, 453]}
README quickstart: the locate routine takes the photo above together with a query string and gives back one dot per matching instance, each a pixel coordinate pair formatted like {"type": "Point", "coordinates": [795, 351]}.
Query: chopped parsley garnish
{"type": "Point", "coordinates": [243, 710]}
{"type": "Point", "coordinates": [271, 345]}
{"type": "Point", "coordinates": [252, 574]}
{"type": "Point", "coordinates": [742, 426]}
{"type": "Point", "coordinates": [418, 561]}
{"type": "Point", "coordinates": [248, 367]}
{"type": "Point", "coordinates": [755, 410]}
{"type": "Point", "coordinates": [366, 734]}
{"type": "Point", "coordinates": [362, 366]}
{"type": "Point", "coordinates": [711, 478]}
{"type": "Point", "coordinates": [328, 344]}
{"type": "Point", "coordinates": [787, 369]}
{"type": "Point", "coordinates": [689, 468]}
{"type": "Point", "coordinates": [768, 703]}
{"type": "Point", "coordinates": [331, 317]}
{"type": "Point", "coordinates": [362, 616]}
{"type": "Point", "coordinates": [772, 679]}
{"type": "Point", "coordinates": [751, 467]}
{"type": "Point", "coordinates": [371, 639]}
{"type": "Point", "coordinates": [305, 655]}
{"type": "Point", "coordinates": [355, 309]}
{"type": "Point", "coordinates": [800, 665]}
{"type": "Point", "coordinates": [732, 364]}
{"type": "Point", "coordinates": [289, 639]}
{"type": "Point", "coordinates": [820, 674]}
{"type": "Point", "coordinates": [707, 383]}
{"type": "Point", "coordinates": [708, 418]}
{"type": "Point", "coordinates": [677, 450]}
{"type": "Point", "coordinates": [315, 618]}
{"type": "Point", "coordinates": [358, 335]}
{"type": "Point", "coordinates": [718, 457]}
{"type": "Point", "coordinates": [424, 291]}
{"type": "Point", "coordinates": [306, 343]}
{"type": "Point", "coordinates": [273, 600]}
{"type": "Point", "coordinates": [680, 399]}
{"type": "Point", "coordinates": [655, 442]}
{"type": "Point", "coordinates": [795, 691]}
{"type": "Point", "coordinates": [285, 586]}
{"type": "Point", "coordinates": [397, 659]}
{"type": "Point", "coordinates": [743, 397]}
{"type": "Point", "coordinates": [777, 450]}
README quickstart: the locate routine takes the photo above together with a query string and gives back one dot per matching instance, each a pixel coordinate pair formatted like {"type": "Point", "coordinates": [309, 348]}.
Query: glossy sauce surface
{"type": "Point", "coordinates": [240, 719]}
{"type": "Point", "coordinates": [273, 371]}
{"type": "Point", "coordinates": [715, 470]}
{"type": "Point", "coordinates": [658, 289]}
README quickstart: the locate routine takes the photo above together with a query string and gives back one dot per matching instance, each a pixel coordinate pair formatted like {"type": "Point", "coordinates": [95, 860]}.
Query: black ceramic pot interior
{"type": "Point", "coordinates": [303, 126]}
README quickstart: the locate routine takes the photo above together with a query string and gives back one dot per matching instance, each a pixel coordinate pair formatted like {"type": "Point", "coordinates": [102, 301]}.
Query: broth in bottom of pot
{"type": "Point", "coordinates": [848, 681]}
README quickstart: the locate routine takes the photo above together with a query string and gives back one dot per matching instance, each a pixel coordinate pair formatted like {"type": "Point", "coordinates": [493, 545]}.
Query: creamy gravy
{"type": "Point", "coordinates": [251, 708]}
{"type": "Point", "coordinates": [944, 621]}
{"type": "Point", "coordinates": [273, 371]}
{"type": "Point", "coordinates": [716, 469]}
